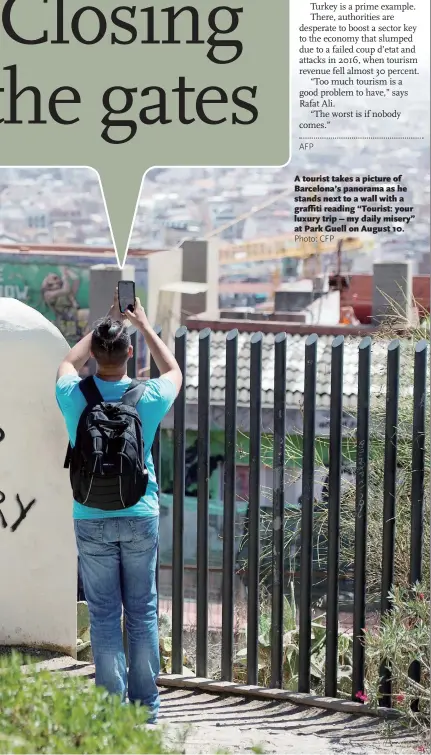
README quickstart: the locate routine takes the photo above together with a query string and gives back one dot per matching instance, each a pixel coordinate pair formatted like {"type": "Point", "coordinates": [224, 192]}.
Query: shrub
{"type": "Point", "coordinates": [291, 652]}
{"type": "Point", "coordinates": [403, 638]}
{"type": "Point", "coordinates": [165, 647]}
{"type": "Point", "coordinates": [45, 712]}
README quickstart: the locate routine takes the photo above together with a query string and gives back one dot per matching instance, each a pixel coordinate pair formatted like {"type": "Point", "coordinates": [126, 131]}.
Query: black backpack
{"type": "Point", "coordinates": [107, 469]}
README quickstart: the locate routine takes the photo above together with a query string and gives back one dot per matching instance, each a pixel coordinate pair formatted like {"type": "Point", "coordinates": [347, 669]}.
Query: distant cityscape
{"type": "Point", "coordinates": [64, 206]}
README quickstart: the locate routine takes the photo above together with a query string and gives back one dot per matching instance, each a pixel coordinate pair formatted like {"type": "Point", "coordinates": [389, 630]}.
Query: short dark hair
{"type": "Point", "coordinates": [110, 342]}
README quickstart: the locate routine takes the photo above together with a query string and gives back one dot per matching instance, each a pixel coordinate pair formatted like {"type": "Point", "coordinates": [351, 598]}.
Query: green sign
{"type": "Point", "coordinates": [59, 292]}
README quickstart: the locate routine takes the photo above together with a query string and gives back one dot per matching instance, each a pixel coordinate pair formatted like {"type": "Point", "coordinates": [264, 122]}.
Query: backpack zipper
{"type": "Point", "coordinates": [91, 482]}
{"type": "Point", "coordinates": [119, 479]}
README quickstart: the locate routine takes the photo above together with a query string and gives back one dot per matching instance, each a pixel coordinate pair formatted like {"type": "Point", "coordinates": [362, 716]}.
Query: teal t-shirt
{"type": "Point", "coordinates": [158, 397]}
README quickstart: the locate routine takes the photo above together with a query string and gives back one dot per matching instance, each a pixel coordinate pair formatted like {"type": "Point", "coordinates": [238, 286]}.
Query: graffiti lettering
{"type": "Point", "coordinates": [23, 512]}
{"type": "Point", "coordinates": [3, 521]}
{"type": "Point", "coordinates": [14, 292]}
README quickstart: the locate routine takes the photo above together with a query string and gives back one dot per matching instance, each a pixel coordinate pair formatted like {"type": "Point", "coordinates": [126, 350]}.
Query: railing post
{"type": "Point", "coordinates": [178, 508]}
{"type": "Point", "coordinates": [254, 507]}
{"type": "Point", "coordinates": [362, 473]}
{"type": "Point", "coordinates": [133, 361]}
{"type": "Point", "coordinates": [229, 506]}
{"type": "Point", "coordinates": [131, 372]}
{"type": "Point", "coordinates": [278, 511]}
{"type": "Point", "coordinates": [154, 373]}
{"type": "Point", "coordinates": [306, 562]}
{"type": "Point", "coordinates": [202, 503]}
{"type": "Point", "coordinates": [334, 500]}
{"type": "Point", "coordinates": [418, 479]}
{"type": "Point", "coordinates": [418, 461]}
{"type": "Point", "coordinates": [389, 500]}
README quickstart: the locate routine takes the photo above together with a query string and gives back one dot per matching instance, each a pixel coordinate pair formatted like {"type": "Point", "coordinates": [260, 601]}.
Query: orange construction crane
{"type": "Point", "coordinates": [281, 247]}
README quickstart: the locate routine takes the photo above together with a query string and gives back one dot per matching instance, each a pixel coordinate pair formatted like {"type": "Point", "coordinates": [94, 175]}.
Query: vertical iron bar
{"type": "Point", "coordinates": [178, 508]}
{"type": "Point", "coordinates": [418, 461]}
{"type": "Point", "coordinates": [418, 480]}
{"type": "Point", "coordinates": [202, 503]}
{"type": "Point", "coordinates": [229, 506]}
{"type": "Point", "coordinates": [334, 500]}
{"type": "Point", "coordinates": [131, 364]}
{"type": "Point", "coordinates": [389, 500]}
{"type": "Point", "coordinates": [154, 373]}
{"type": "Point", "coordinates": [306, 563]}
{"type": "Point", "coordinates": [362, 473]}
{"type": "Point", "coordinates": [278, 511]}
{"type": "Point", "coordinates": [131, 372]}
{"type": "Point", "coordinates": [254, 507]}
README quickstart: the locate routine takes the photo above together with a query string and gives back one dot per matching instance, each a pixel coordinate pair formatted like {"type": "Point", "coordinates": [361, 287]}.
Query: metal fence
{"type": "Point", "coordinates": [308, 473]}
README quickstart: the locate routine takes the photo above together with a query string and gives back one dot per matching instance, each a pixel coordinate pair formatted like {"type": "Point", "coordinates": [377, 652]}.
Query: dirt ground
{"type": "Point", "coordinates": [198, 723]}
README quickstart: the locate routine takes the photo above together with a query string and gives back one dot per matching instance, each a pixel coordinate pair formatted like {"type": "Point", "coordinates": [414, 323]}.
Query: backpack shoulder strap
{"type": "Point", "coordinates": [68, 457]}
{"type": "Point", "coordinates": [134, 393]}
{"type": "Point", "coordinates": [90, 391]}
{"type": "Point", "coordinates": [92, 396]}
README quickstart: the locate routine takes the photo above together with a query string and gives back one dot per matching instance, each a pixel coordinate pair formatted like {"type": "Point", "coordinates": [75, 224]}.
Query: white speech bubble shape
{"type": "Point", "coordinates": [123, 89]}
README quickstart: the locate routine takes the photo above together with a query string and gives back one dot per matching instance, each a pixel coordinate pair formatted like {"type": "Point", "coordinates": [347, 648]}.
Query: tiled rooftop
{"type": "Point", "coordinates": [294, 369]}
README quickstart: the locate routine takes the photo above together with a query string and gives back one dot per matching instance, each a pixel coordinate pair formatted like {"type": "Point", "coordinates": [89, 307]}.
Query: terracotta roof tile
{"type": "Point", "coordinates": [294, 369]}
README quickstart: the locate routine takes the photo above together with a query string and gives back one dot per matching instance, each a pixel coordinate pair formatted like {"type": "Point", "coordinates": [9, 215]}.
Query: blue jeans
{"type": "Point", "coordinates": [118, 566]}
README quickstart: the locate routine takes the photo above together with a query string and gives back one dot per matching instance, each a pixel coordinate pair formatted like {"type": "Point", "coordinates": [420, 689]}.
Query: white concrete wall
{"type": "Point", "coordinates": [38, 558]}
{"type": "Point", "coordinates": [212, 307]}
{"type": "Point", "coordinates": [164, 267]}
{"type": "Point", "coordinates": [103, 282]}
{"type": "Point", "coordinates": [325, 310]}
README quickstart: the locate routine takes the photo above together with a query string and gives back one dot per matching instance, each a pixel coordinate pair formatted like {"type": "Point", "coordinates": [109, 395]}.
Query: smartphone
{"type": "Point", "coordinates": [126, 296]}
